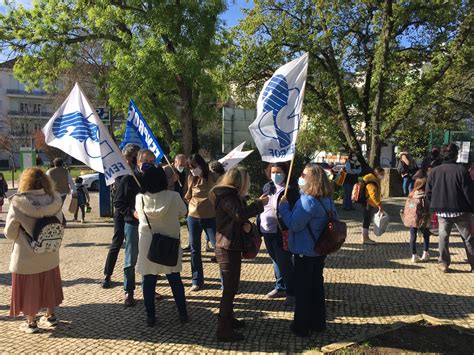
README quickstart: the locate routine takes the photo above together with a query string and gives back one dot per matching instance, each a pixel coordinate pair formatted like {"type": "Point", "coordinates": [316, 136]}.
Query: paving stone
{"type": "Point", "coordinates": [367, 288]}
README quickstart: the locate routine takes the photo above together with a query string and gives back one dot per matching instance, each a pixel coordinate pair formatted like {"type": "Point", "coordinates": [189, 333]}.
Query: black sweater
{"type": "Point", "coordinates": [450, 189]}
{"type": "Point", "coordinates": [124, 202]}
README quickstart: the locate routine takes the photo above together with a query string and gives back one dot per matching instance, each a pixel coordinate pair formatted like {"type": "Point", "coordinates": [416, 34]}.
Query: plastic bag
{"type": "Point", "coordinates": [381, 221]}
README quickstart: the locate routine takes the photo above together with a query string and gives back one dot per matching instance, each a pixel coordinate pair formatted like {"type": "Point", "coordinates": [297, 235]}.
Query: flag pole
{"type": "Point", "coordinates": [174, 172]}
{"type": "Point", "coordinates": [288, 178]}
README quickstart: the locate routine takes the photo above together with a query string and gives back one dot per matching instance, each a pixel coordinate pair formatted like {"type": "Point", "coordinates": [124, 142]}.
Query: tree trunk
{"type": "Point", "coordinates": [381, 69]}
{"type": "Point", "coordinates": [187, 120]}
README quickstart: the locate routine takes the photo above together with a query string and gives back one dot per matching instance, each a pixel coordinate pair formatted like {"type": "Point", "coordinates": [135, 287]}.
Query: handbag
{"type": "Point", "coordinates": [332, 236]}
{"type": "Point", "coordinates": [252, 243]}
{"type": "Point", "coordinates": [163, 250]}
{"type": "Point", "coordinates": [381, 222]}
{"type": "Point", "coordinates": [341, 178]}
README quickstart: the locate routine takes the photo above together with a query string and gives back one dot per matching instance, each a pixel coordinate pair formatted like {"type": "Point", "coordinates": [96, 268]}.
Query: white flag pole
{"type": "Point", "coordinates": [98, 118]}
{"type": "Point", "coordinates": [172, 169]}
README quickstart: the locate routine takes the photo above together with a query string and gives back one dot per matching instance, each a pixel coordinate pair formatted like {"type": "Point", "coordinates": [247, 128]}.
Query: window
{"type": "Point", "coordinates": [37, 108]}
{"type": "Point", "coordinates": [24, 107]}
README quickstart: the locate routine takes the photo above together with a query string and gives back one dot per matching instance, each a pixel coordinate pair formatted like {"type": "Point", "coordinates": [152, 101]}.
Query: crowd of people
{"type": "Point", "coordinates": [151, 204]}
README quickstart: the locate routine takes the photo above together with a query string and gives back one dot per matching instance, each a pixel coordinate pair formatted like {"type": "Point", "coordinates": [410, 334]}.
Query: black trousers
{"type": "Point", "coordinates": [230, 263]}
{"type": "Point", "coordinates": [117, 241]}
{"type": "Point", "coordinates": [310, 304]}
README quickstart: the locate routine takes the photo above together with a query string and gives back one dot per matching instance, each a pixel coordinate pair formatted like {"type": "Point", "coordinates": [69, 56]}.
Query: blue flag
{"type": "Point", "coordinates": [138, 132]}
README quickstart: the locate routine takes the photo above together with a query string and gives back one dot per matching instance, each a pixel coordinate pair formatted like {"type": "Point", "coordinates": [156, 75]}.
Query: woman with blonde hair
{"type": "Point", "coordinates": [232, 220]}
{"type": "Point", "coordinates": [306, 221]}
{"type": "Point", "coordinates": [36, 280]}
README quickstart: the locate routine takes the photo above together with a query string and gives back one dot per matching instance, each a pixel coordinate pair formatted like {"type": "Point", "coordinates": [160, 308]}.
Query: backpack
{"type": "Point", "coordinates": [413, 212]}
{"type": "Point", "coordinates": [332, 236]}
{"type": "Point", "coordinates": [47, 235]}
{"type": "Point", "coordinates": [401, 167]}
{"type": "Point", "coordinates": [359, 192]}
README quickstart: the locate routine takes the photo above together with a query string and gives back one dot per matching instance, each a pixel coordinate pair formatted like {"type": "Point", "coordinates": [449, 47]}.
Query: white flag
{"type": "Point", "coordinates": [235, 157]}
{"type": "Point", "coordinates": [76, 129]}
{"type": "Point", "coordinates": [279, 111]}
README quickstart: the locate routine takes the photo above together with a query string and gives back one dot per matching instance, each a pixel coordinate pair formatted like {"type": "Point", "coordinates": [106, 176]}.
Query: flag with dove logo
{"type": "Point", "coordinates": [279, 108]}
{"type": "Point", "coordinates": [76, 129]}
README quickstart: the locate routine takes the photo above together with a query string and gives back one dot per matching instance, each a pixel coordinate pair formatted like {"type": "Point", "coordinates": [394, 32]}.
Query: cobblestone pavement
{"type": "Point", "coordinates": [367, 288]}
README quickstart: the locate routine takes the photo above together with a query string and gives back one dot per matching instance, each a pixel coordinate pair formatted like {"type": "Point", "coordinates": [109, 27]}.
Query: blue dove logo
{"type": "Point", "coordinates": [275, 97]}
{"type": "Point", "coordinates": [76, 126]}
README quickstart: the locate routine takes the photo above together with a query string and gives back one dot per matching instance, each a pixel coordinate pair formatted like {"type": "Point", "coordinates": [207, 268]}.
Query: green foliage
{"type": "Point", "coordinates": [358, 88]}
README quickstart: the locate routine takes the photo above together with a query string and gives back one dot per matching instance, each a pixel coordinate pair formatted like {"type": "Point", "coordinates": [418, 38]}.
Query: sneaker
{"type": "Point", "coordinates": [415, 258]}
{"type": "Point", "coordinates": [237, 323]}
{"type": "Point", "coordinates": [195, 288]}
{"type": "Point", "coordinates": [48, 322]}
{"type": "Point", "coordinates": [213, 259]}
{"type": "Point", "coordinates": [290, 301]}
{"type": "Point", "coordinates": [368, 241]}
{"type": "Point", "coordinates": [129, 300]}
{"type": "Point", "coordinates": [29, 328]}
{"type": "Point", "coordinates": [209, 248]}
{"type": "Point", "coordinates": [150, 321]}
{"type": "Point", "coordinates": [158, 296]}
{"type": "Point", "coordinates": [183, 319]}
{"type": "Point", "coordinates": [187, 248]}
{"type": "Point", "coordinates": [276, 294]}
{"type": "Point", "coordinates": [106, 283]}
{"type": "Point", "coordinates": [443, 267]}
{"type": "Point", "coordinates": [426, 256]}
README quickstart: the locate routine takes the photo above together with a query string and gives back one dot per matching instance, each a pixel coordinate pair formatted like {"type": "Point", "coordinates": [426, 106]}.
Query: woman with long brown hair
{"type": "Point", "coordinates": [232, 216]}
{"type": "Point", "coordinates": [36, 280]}
{"type": "Point", "coordinates": [306, 221]}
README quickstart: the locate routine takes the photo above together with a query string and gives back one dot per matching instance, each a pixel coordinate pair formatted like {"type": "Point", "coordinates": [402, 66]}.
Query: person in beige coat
{"type": "Point", "coordinates": [162, 209]}
{"type": "Point", "coordinates": [36, 280]}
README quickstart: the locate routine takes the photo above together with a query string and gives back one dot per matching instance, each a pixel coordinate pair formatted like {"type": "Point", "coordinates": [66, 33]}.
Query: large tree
{"type": "Point", "coordinates": [374, 65]}
{"type": "Point", "coordinates": [163, 54]}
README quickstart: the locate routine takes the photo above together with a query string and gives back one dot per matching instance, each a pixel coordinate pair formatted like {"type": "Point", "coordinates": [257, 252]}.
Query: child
{"type": "Point", "coordinates": [82, 199]}
{"type": "Point", "coordinates": [419, 193]}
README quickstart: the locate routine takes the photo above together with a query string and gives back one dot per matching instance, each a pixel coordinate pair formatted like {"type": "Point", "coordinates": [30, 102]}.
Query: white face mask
{"type": "Point", "coordinates": [180, 169]}
{"type": "Point", "coordinates": [196, 172]}
{"type": "Point", "coordinates": [354, 158]}
{"type": "Point", "coordinates": [301, 181]}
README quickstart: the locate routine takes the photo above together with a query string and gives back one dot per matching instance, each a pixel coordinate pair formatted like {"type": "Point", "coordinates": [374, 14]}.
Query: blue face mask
{"type": "Point", "coordinates": [301, 182]}
{"type": "Point", "coordinates": [146, 166]}
{"type": "Point", "coordinates": [278, 178]}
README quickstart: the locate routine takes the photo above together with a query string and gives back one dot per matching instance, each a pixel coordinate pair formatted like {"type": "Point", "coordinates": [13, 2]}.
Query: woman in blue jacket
{"type": "Point", "coordinates": [306, 222]}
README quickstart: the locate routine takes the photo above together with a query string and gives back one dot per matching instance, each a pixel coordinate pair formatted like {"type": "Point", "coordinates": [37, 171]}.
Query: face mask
{"type": "Point", "coordinates": [278, 178]}
{"type": "Point", "coordinates": [354, 158]}
{"type": "Point", "coordinates": [196, 172]}
{"type": "Point", "coordinates": [134, 161]}
{"type": "Point", "coordinates": [301, 182]}
{"type": "Point", "coordinates": [146, 166]}
{"type": "Point", "coordinates": [180, 169]}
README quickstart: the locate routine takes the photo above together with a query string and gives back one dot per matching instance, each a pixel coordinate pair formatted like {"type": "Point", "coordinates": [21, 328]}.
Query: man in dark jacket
{"type": "Point", "coordinates": [450, 192]}
{"type": "Point", "coordinates": [125, 204]}
{"type": "Point", "coordinates": [129, 152]}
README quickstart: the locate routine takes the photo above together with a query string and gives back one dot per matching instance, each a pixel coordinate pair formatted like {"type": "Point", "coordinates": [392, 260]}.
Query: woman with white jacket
{"type": "Point", "coordinates": [163, 208]}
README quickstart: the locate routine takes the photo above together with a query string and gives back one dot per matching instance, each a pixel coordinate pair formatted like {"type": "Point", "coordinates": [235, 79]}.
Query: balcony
{"type": "Point", "coordinates": [24, 93]}
{"type": "Point", "coordinates": [23, 114]}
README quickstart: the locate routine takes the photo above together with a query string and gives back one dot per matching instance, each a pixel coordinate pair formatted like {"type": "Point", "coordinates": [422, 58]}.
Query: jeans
{"type": "Point", "coordinates": [195, 227]}
{"type": "Point", "coordinates": [463, 225]}
{"type": "Point", "coordinates": [117, 241]}
{"type": "Point", "coordinates": [131, 254]}
{"type": "Point", "coordinates": [177, 288]}
{"type": "Point", "coordinates": [426, 239]}
{"type": "Point", "coordinates": [407, 184]}
{"type": "Point", "coordinates": [230, 263]}
{"type": "Point", "coordinates": [282, 262]}
{"type": "Point", "coordinates": [310, 303]}
{"type": "Point", "coordinates": [348, 196]}
{"type": "Point", "coordinates": [368, 214]}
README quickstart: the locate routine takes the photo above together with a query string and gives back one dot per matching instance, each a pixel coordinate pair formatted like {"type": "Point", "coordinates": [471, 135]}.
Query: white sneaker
{"type": "Point", "coordinates": [426, 256]}
{"type": "Point", "coordinates": [415, 258]}
{"type": "Point", "coordinates": [48, 322]}
{"type": "Point", "coordinates": [29, 328]}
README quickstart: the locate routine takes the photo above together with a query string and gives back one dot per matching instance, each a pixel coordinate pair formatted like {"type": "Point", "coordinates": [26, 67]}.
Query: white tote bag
{"type": "Point", "coordinates": [381, 221]}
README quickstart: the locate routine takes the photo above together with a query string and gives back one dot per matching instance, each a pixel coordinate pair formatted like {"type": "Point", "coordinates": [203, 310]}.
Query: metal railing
{"type": "Point", "coordinates": [24, 92]}
{"type": "Point", "coordinates": [30, 114]}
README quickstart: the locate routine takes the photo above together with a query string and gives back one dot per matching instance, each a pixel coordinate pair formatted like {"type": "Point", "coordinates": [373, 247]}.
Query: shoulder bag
{"type": "Point", "coordinates": [163, 250]}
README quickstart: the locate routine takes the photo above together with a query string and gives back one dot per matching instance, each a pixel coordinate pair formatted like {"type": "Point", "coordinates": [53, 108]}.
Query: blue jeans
{"type": "Point", "coordinates": [195, 227]}
{"type": "Point", "coordinates": [177, 288]}
{"type": "Point", "coordinates": [131, 254]}
{"type": "Point", "coordinates": [407, 184]}
{"type": "Point", "coordinates": [426, 239]}
{"type": "Point", "coordinates": [347, 195]}
{"type": "Point", "coordinates": [282, 262]}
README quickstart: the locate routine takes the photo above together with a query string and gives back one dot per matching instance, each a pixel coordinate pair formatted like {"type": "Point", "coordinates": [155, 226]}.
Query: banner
{"type": "Point", "coordinates": [138, 132]}
{"type": "Point", "coordinates": [234, 157]}
{"type": "Point", "coordinates": [279, 111]}
{"type": "Point", "coordinates": [76, 129]}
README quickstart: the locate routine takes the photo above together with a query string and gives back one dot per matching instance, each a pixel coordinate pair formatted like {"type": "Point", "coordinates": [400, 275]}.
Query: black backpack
{"type": "Point", "coordinates": [47, 235]}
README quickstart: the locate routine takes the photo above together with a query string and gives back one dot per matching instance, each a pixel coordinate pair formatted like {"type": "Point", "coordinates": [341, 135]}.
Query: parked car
{"type": "Point", "coordinates": [91, 181]}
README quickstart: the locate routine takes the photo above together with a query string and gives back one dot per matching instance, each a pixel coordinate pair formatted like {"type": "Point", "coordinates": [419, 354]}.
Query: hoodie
{"type": "Point", "coordinates": [163, 209]}
{"type": "Point", "coordinates": [231, 215]}
{"type": "Point", "coordinates": [25, 209]}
